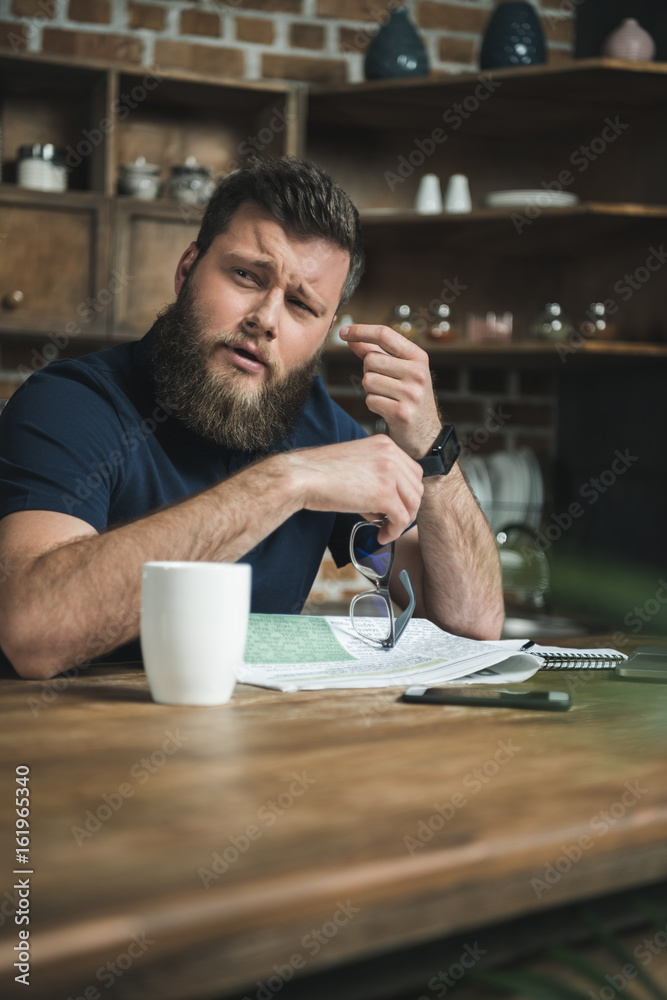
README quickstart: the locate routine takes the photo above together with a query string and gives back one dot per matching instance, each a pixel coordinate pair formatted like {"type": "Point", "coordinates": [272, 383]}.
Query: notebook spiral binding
{"type": "Point", "coordinates": [570, 661]}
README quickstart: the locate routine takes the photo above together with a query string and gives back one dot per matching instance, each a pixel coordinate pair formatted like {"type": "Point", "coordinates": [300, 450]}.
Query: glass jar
{"type": "Point", "coordinates": [552, 323]}
{"type": "Point", "coordinates": [439, 324]}
{"type": "Point", "coordinates": [41, 167]}
{"type": "Point", "coordinates": [596, 324]}
{"type": "Point", "coordinates": [402, 320]}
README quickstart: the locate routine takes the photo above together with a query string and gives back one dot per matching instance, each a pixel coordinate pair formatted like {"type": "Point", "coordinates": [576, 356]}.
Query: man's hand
{"type": "Point", "coordinates": [397, 381]}
{"type": "Point", "coordinates": [371, 476]}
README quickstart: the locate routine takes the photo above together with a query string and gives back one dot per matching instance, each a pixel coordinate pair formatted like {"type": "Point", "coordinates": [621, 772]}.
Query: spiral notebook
{"type": "Point", "coordinates": [562, 658]}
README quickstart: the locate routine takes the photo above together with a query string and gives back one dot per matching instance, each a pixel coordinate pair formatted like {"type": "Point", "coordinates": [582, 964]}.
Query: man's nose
{"type": "Point", "coordinates": [265, 313]}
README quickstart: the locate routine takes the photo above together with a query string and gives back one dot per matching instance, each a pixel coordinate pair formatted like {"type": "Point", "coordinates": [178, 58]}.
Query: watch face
{"type": "Point", "coordinates": [451, 449]}
{"type": "Point", "coordinates": [443, 454]}
{"type": "Point", "coordinates": [448, 448]}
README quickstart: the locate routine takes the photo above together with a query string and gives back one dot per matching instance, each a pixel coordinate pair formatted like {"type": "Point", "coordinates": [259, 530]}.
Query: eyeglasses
{"type": "Point", "coordinates": [372, 613]}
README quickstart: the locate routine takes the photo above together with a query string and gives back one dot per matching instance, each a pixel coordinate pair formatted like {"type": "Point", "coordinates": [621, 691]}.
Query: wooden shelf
{"type": "Point", "coordinates": [389, 216]}
{"type": "Point", "coordinates": [533, 99]}
{"type": "Point", "coordinates": [527, 352]}
{"type": "Point", "coordinates": [580, 230]}
{"type": "Point", "coordinates": [50, 199]}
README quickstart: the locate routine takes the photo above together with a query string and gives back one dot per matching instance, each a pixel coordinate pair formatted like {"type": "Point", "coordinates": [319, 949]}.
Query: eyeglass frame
{"type": "Point", "coordinates": [397, 625]}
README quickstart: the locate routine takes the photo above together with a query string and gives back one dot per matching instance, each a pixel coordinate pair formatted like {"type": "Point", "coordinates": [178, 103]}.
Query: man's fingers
{"type": "Point", "coordinates": [364, 338]}
{"type": "Point", "coordinates": [363, 349]}
{"type": "Point", "coordinates": [390, 529]}
{"type": "Point", "coordinates": [372, 473]}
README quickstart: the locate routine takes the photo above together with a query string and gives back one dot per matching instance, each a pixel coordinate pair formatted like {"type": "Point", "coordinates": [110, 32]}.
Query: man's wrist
{"type": "Point", "coordinates": [443, 454]}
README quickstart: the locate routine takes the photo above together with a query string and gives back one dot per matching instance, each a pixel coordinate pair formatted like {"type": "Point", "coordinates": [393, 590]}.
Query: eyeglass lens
{"type": "Point", "coordinates": [371, 612]}
{"type": "Point", "coordinates": [372, 615]}
{"type": "Point", "coordinates": [372, 559]}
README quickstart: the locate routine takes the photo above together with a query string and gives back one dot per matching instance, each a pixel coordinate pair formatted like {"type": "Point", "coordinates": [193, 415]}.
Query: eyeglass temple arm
{"type": "Point", "coordinates": [406, 615]}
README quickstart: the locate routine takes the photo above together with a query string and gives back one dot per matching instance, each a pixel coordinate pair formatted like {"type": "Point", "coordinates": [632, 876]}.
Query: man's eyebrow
{"type": "Point", "coordinates": [257, 262]}
{"type": "Point", "coordinates": [267, 263]}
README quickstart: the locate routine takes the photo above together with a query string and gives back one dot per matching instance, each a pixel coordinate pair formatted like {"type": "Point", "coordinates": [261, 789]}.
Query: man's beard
{"type": "Point", "coordinates": [217, 405]}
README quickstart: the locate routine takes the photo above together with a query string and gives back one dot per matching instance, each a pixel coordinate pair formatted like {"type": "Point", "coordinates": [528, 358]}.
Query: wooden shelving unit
{"type": "Point", "coordinates": [593, 128]}
{"type": "Point", "coordinates": [512, 129]}
{"type": "Point", "coordinates": [104, 117]}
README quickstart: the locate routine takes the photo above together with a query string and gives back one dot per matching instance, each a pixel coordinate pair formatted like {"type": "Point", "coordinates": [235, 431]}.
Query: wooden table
{"type": "Point", "coordinates": [193, 852]}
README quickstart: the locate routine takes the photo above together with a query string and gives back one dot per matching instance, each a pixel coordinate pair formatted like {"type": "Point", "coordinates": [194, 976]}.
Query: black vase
{"type": "Point", "coordinates": [397, 50]}
{"type": "Point", "coordinates": [513, 37]}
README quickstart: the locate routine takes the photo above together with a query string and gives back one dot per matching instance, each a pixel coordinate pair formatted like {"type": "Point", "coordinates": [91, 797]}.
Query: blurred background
{"type": "Point", "coordinates": [508, 163]}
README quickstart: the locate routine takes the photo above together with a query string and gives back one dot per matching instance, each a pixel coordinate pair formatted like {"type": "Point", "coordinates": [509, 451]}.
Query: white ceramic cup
{"type": "Point", "coordinates": [429, 195]}
{"type": "Point", "coordinates": [194, 621]}
{"type": "Point", "coordinates": [457, 195]}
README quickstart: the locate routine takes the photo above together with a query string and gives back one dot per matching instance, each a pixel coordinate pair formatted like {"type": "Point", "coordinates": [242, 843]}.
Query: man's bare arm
{"type": "Point", "coordinates": [453, 559]}
{"type": "Point", "coordinates": [67, 598]}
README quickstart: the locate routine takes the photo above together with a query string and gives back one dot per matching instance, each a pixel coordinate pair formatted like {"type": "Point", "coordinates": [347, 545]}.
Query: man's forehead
{"type": "Point", "coordinates": [254, 234]}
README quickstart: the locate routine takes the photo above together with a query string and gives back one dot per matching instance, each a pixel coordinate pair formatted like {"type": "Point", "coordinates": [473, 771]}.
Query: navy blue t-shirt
{"type": "Point", "coordinates": [89, 438]}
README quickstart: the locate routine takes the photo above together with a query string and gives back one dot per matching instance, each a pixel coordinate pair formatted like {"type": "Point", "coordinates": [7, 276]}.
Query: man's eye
{"type": "Point", "coordinates": [302, 305]}
{"type": "Point", "coordinates": [242, 273]}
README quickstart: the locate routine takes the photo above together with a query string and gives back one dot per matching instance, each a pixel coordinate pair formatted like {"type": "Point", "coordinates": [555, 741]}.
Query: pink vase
{"type": "Point", "coordinates": [629, 41]}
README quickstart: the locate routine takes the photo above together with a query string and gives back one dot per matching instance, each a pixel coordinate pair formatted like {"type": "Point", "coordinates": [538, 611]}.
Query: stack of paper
{"type": "Point", "coordinates": [291, 652]}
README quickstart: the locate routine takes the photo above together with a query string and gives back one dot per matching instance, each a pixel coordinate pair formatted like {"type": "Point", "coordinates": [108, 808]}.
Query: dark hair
{"type": "Point", "coordinates": [300, 196]}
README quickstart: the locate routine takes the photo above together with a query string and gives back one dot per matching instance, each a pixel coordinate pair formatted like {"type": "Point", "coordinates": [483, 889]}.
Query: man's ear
{"type": "Point", "coordinates": [185, 266]}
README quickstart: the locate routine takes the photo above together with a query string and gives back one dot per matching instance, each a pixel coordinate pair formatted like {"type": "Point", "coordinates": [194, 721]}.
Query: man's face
{"type": "Point", "coordinates": [266, 300]}
{"type": "Point", "coordinates": [236, 352]}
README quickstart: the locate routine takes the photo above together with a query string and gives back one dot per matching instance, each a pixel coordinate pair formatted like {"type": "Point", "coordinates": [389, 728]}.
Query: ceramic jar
{"type": "Point", "coordinates": [429, 195]}
{"type": "Point", "coordinates": [457, 195]}
{"type": "Point", "coordinates": [630, 42]}
{"type": "Point", "coordinates": [190, 183]}
{"type": "Point", "coordinates": [513, 37]}
{"type": "Point", "coordinates": [42, 168]}
{"type": "Point", "coordinates": [396, 50]}
{"type": "Point", "coordinates": [139, 179]}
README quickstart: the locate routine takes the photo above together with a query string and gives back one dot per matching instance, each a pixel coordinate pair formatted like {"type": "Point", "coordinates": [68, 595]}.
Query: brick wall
{"type": "Point", "coordinates": [306, 40]}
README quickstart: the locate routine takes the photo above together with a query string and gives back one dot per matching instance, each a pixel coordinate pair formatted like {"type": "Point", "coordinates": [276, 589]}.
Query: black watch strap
{"type": "Point", "coordinates": [443, 454]}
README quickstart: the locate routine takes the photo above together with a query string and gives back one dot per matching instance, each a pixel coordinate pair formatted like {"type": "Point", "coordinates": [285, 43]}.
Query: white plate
{"type": "Point", "coordinates": [539, 197]}
{"type": "Point", "coordinates": [502, 482]}
{"type": "Point", "coordinates": [534, 514]}
{"type": "Point", "coordinates": [510, 482]}
{"type": "Point", "coordinates": [485, 495]}
{"type": "Point", "coordinates": [479, 482]}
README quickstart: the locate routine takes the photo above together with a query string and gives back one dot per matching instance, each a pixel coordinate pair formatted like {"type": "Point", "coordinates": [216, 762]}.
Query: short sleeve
{"type": "Point", "coordinates": [60, 447]}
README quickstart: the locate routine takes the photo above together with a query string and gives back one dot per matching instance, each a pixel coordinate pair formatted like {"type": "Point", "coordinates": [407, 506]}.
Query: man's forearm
{"type": "Point", "coordinates": [82, 599]}
{"type": "Point", "coordinates": [462, 584]}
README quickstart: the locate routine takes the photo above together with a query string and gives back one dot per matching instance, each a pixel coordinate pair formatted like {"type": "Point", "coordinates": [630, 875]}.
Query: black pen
{"type": "Point", "coordinates": [526, 645]}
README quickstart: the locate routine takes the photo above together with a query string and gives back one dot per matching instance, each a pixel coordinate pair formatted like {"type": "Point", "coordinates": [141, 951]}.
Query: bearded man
{"type": "Point", "coordinates": [213, 439]}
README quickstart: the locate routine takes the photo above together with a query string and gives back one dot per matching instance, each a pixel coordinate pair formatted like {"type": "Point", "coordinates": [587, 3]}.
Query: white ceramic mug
{"type": "Point", "coordinates": [194, 621]}
{"type": "Point", "coordinates": [457, 195]}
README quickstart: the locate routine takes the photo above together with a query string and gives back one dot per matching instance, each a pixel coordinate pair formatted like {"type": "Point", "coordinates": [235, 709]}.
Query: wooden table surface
{"type": "Point", "coordinates": [186, 852]}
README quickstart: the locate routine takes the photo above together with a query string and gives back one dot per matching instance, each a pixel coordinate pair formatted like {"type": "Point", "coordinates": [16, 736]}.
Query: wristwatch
{"type": "Point", "coordinates": [440, 460]}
